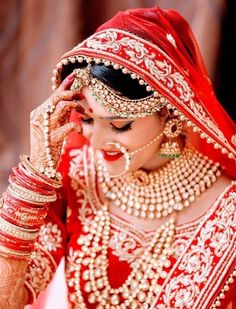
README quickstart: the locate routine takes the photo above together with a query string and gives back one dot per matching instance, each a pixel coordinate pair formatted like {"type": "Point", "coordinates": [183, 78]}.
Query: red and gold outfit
{"type": "Point", "coordinates": [157, 48]}
{"type": "Point", "coordinates": [203, 266]}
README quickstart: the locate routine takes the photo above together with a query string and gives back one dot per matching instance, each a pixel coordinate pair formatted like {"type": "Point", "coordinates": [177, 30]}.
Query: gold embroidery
{"type": "Point", "coordinates": [146, 58]}
{"type": "Point", "coordinates": [76, 173]}
{"type": "Point", "coordinates": [233, 139]}
{"type": "Point", "coordinates": [40, 271]}
{"type": "Point", "coordinates": [125, 247]}
{"type": "Point", "coordinates": [42, 264]}
{"type": "Point", "coordinates": [194, 279]}
{"type": "Point", "coordinates": [50, 237]}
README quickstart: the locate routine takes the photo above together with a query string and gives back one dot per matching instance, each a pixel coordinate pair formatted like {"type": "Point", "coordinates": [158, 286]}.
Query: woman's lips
{"type": "Point", "coordinates": [111, 155]}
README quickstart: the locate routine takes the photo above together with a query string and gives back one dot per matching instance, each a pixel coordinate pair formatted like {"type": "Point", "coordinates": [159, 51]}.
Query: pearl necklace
{"type": "Point", "coordinates": [141, 286]}
{"type": "Point", "coordinates": [191, 171]}
{"type": "Point", "coordinates": [160, 193]}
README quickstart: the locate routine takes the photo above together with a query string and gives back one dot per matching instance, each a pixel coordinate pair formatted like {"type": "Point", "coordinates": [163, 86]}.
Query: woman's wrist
{"type": "Point", "coordinates": [23, 209]}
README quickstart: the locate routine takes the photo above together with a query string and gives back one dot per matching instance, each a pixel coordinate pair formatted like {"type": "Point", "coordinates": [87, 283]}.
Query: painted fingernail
{"type": "Point", "coordinates": [70, 77]}
{"type": "Point", "coordinates": [80, 109]}
{"type": "Point", "coordinates": [79, 129]}
{"type": "Point", "coordinates": [78, 96]}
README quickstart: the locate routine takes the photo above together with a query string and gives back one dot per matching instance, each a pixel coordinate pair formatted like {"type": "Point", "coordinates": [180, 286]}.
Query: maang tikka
{"type": "Point", "coordinates": [114, 102]}
{"type": "Point", "coordinates": [172, 129]}
{"type": "Point", "coordinates": [82, 78]}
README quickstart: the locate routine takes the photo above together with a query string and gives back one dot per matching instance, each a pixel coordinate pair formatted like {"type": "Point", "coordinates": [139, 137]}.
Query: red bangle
{"type": "Point", "coordinates": [10, 199]}
{"type": "Point", "coordinates": [15, 215]}
{"type": "Point", "coordinates": [23, 214]}
{"type": "Point", "coordinates": [31, 178]}
{"type": "Point", "coordinates": [13, 207]}
{"type": "Point", "coordinates": [44, 179]}
{"type": "Point", "coordinates": [21, 179]}
{"type": "Point", "coordinates": [33, 181]}
{"type": "Point", "coordinates": [15, 182]}
{"type": "Point", "coordinates": [16, 244]}
{"type": "Point", "coordinates": [25, 219]}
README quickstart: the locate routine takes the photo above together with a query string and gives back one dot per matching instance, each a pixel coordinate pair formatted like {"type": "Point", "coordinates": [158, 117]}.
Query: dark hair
{"type": "Point", "coordinates": [116, 79]}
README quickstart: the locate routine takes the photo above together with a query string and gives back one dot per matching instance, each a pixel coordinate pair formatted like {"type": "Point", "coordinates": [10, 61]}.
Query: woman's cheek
{"type": "Point", "coordinates": [87, 130]}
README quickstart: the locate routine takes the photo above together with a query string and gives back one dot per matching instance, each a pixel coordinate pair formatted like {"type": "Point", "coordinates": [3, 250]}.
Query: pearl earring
{"type": "Point", "coordinates": [172, 130]}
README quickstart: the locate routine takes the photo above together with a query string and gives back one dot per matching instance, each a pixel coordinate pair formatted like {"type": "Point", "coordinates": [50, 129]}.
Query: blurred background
{"type": "Point", "coordinates": [35, 33]}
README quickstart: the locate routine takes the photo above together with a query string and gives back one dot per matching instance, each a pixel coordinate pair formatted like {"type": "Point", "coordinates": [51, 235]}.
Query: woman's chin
{"type": "Point", "coordinates": [114, 168]}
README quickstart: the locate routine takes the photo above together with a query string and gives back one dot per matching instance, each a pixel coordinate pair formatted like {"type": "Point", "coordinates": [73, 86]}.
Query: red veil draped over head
{"type": "Point", "coordinates": [158, 46]}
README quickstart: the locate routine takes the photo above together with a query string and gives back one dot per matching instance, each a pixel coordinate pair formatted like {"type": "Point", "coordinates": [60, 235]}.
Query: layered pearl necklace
{"type": "Point", "coordinates": [140, 288]}
{"type": "Point", "coordinates": [180, 181]}
{"type": "Point", "coordinates": [158, 194]}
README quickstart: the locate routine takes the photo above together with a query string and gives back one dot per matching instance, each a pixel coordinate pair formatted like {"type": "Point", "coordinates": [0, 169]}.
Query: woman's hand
{"type": "Point", "coordinates": [61, 104]}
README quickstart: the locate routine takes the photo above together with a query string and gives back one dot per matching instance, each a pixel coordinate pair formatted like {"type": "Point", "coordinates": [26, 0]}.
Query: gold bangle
{"type": "Point", "coordinates": [17, 234]}
{"type": "Point", "coordinates": [47, 198]}
{"type": "Point", "coordinates": [5, 252]}
{"type": "Point", "coordinates": [29, 196]}
{"type": "Point", "coordinates": [21, 198]}
{"type": "Point", "coordinates": [51, 182]}
{"type": "Point", "coordinates": [17, 230]}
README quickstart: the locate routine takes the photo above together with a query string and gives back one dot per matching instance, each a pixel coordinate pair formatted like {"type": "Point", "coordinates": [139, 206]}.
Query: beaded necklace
{"type": "Point", "coordinates": [141, 286]}
{"type": "Point", "coordinates": [158, 194]}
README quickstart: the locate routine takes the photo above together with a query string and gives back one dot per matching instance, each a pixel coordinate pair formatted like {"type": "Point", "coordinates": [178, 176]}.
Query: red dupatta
{"type": "Point", "coordinates": [159, 47]}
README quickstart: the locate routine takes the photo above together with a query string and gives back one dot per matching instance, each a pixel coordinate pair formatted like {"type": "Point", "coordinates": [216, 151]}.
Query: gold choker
{"type": "Point", "coordinates": [158, 194]}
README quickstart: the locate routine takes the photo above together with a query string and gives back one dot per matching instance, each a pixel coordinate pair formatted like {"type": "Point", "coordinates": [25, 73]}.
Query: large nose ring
{"type": "Point", "coordinates": [127, 157]}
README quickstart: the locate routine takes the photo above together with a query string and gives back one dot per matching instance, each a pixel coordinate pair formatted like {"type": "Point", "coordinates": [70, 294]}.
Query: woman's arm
{"type": "Point", "coordinates": [13, 294]}
{"type": "Point", "coordinates": [25, 257]}
{"type": "Point", "coordinates": [22, 280]}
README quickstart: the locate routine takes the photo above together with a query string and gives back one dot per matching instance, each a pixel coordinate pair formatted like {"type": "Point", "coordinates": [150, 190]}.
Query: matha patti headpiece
{"type": "Point", "coordinates": [114, 102]}
{"type": "Point", "coordinates": [163, 57]}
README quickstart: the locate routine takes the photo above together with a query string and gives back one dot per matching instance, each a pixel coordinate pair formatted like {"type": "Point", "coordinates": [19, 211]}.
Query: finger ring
{"type": "Point", "coordinates": [58, 96]}
{"type": "Point", "coordinates": [50, 106]}
{"type": "Point", "coordinates": [79, 129]}
{"type": "Point", "coordinates": [64, 118]}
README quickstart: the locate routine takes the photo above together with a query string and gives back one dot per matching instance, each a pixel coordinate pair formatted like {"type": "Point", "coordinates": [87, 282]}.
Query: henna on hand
{"type": "Point", "coordinates": [13, 294]}
{"type": "Point", "coordinates": [62, 104]}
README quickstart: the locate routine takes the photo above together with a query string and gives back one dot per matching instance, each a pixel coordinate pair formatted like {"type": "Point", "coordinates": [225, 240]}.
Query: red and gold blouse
{"type": "Point", "coordinates": [202, 269]}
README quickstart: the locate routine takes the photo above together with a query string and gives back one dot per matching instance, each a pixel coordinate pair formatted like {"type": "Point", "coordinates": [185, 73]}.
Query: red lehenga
{"type": "Point", "coordinates": [158, 46]}
{"type": "Point", "coordinates": [202, 268]}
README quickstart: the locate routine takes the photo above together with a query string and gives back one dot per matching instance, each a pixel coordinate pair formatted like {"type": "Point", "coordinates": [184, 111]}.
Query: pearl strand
{"type": "Point", "coordinates": [146, 145]}
{"type": "Point", "coordinates": [128, 155]}
{"type": "Point", "coordinates": [148, 267]}
{"type": "Point", "coordinates": [225, 289]}
{"type": "Point", "coordinates": [49, 170]}
{"type": "Point", "coordinates": [158, 194]}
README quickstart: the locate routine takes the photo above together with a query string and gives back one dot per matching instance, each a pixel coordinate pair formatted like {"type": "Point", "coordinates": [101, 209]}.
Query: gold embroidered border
{"type": "Point", "coordinates": [166, 81]}
{"type": "Point", "coordinates": [205, 295]}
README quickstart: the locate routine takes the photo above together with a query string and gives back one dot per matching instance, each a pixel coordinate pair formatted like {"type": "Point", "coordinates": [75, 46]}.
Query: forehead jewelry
{"type": "Point", "coordinates": [123, 106]}
{"type": "Point", "coordinates": [113, 101]}
{"type": "Point", "coordinates": [82, 79]}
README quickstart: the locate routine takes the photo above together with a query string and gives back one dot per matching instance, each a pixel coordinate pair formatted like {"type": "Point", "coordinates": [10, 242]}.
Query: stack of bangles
{"type": "Point", "coordinates": [23, 209]}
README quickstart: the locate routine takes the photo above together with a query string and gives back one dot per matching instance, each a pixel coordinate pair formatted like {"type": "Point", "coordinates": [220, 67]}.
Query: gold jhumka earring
{"type": "Point", "coordinates": [172, 130]}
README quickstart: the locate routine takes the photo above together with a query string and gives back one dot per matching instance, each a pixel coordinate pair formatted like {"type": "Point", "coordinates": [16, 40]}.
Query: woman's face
{"type": "Point", "coordinates": [101, 127]}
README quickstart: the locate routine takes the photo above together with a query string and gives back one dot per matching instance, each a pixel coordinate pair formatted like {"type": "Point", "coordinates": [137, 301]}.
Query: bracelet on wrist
{"type": "Point", "coordinates": [55, 183]}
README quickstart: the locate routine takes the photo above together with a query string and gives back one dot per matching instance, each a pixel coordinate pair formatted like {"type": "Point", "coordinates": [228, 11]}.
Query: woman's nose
{"type": "Point", "coordinates": [98, 138]}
